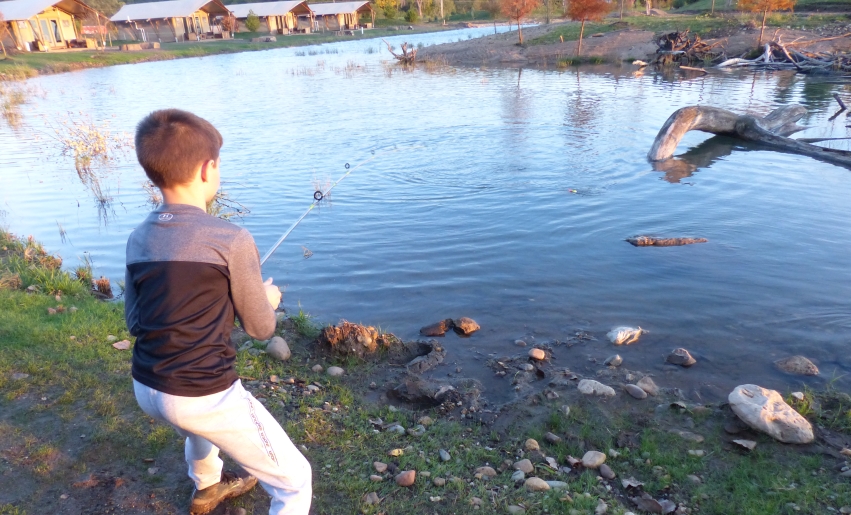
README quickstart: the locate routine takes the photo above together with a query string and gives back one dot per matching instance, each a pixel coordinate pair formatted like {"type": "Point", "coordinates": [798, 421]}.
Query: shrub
{"type": "Point", "coordinates": [252, 22]}
{"type": "Point", "coordinates": [411, 16]}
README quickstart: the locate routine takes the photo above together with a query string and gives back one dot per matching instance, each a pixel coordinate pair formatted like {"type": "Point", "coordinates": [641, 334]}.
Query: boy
{"type": "Point", "coordinates": [187, 275]}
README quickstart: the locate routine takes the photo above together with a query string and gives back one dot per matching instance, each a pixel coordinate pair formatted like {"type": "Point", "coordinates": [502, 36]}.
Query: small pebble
{"type": "Point", "coordinates": [335, 371]}
{"type": "Point", "coordinates": [317, 368]}
{"type": "Point", "coordinates": [406, 478]}
{"type": "Point", "coordinates": [439, 481]}
{"type": "Point", "coordinates": [520, 343]}
{"type": "Point", "coordinates": [532, 445]}
{"type": "Point", "coordinates": [376, 478]}
{"type": "Point", "coordinates": [379, 467]}
{"type": "Point", "coordinates": [614, 361]}
{"type": "Point", "coordinates": [635, 391]}
{"type": "Point", "coordinates": [551, 438]}
{"type": "Point", "coordinates": [444, 455]}
{"type": "Point", "coordinates": [536, 484]}
{"type": "Point", "coordinates": [606, 471]}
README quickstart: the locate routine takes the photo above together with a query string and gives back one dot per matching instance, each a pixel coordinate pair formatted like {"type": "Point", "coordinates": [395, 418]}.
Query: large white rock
{"type": "Point", "coordinates": [591, 387]}
{"type": "Point", "coordinates": [766, 411]}
{"type": "Point", "coordinates": [278, 348]}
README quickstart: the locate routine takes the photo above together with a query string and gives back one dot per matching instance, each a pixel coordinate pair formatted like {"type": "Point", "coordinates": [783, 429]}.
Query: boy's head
{"type": "Point", "coordinates": [174, 146]}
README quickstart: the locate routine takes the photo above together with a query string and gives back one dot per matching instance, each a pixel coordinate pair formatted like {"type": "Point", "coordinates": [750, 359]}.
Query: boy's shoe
{"type": "Point", "coordinates": [231, 485]}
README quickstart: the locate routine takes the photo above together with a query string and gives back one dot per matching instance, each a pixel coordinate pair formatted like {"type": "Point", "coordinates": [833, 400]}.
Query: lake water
{"type": "Point", "coordinates": [505, 196]}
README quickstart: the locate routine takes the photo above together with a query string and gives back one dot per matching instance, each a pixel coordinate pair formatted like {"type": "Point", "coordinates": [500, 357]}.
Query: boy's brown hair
{"type": "Point", "coordinates": [171, 144]}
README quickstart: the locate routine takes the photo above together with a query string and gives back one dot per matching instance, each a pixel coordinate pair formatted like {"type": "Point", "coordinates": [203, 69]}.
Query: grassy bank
{"type": "Point", "coordinates": [72, 438]}
{"type": "Point", "coordinates": [32, 63]}
{"type": "Point", "coordinates": [703, 25]}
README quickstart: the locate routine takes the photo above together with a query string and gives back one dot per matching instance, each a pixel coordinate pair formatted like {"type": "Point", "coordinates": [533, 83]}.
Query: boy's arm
{"type": "Point", "coordinates": [250, 302]}
{"type": "Point", "coordinates": [131, 311]}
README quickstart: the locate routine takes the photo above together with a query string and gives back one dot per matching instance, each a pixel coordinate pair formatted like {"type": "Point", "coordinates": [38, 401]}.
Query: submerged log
{"type": "Point", "coordinates": [771, 130]}
{"type": "Point", "coordinates": [650, 241]}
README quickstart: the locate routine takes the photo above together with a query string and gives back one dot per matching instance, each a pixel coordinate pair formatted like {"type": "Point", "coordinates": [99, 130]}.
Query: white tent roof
{"type": "Point", "coordinates": [266, 8]}
{"type": "Point", "coordinates": [25, 9]}
{"type": "Point", "coordinates": [169, 9]}
{"type": "Point", "coordinates": [337, 8]}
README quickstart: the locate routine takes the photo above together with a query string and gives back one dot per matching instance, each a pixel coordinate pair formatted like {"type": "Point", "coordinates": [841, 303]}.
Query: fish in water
{"type": "Point", "coordinates": [650, 241]}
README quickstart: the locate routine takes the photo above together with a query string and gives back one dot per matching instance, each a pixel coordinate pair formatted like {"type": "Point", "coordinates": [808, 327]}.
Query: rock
{"type": "Point", "coordinates": [417, 431]}
{"type": "Point", "coordinates": [745, 444]}
{"type": "Point", "coordinates": [681, 357]}
{"type": "Point", "coordinates": [524, 466]}
{"type": "Point", "coordinates": [475, 501]}
{"type": "Point", "coordinates": [591, 387]}
{"type": "Point", "coordinates": [17, 376]}
{"type": "Point", "coordinates": [557, 485]}
{"type": "Point", "coordinates": [520, 343]}
{"type": "Point", "coordinates": [635, 391]}
{"type": "Point", "coordinates": [51, 311]}
{"type": "Point", "coordinates": [528, 367]}
{"type": "Point", "coordinates": [694, 479]}
{"type": "Point", "coordinates": [396, 428]}
{"type": "Point", "coordinates": [317, 368]}
{"type": "Point", "coordinates": [624, 335]}
{"type": "Point", "coordinates": [647, 384]}
{"type": "Point", "coordinates": [845, 452]}
{"type": "Point", "coordinates": [593, 459]}
{"type": "Point", "coordinates": [601, 508]}
{"type": "Point", "coordinates": [278, 349]}
{"type": "Point", "coordinates": [484, 472]}
{"type": "Point", "coordinates": [513, 509]}
{"type": "Point", "coordinates": [111, 338]}
{"type": "Point", "coordinates": [379, 466]}
{"type": "Point", "coordinates": [376, 478]}
{"type": "Point", "coordinates": [606, 471]}
{"type": "Point", "coordinates": [465, 326]}
{"type": "Point", "coordinates": [122, 345]}
{"type": "Point", "coordinates": [798, 396]}
{"type": "Point", "coordinates": [518, 476]}
{"type": "Point", "coordinates": [798, 365]}
{"type": "Point", "coordinates": [335, 371]}
{"type": "Point", "coordinates": [614, 361]}
{"type": "Point", "coordinates": [765, 410]}
{"type": "Point", "coordinates": [537, 354]}
{"type": "Point", "coordinates": [551, 438]}
{"type": "Point", "coordinates": [406, 478]}
{"type": "Point", "coordinates": [425, 362]}
{"type": "Point", "coordinates": [532, 445]}
{"type": "Point", "coordinates": [565, 409]}
{"type": "Point", "coordinates": [697, 452]}
{"type": "Point", "coordinates": [274, 379]}
{"type": "Point", "coordinates": [426, 421]}
{"type": "Point", "coordinates": [439, 481]}
{"type": "Point", "coordinates": [438, 328]}
{"type": "Point", "coordinates": [444, 455]}
{"type": "Point", "coordinates": [536, 484]}
{"type": "Point", "coordinates": [371, 498]}
{"type": "Point", "coordinates": [688, 435]}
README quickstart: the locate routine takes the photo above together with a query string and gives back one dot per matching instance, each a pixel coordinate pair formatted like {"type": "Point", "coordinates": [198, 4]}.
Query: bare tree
{"type": "Point", "coordinates": [765, 6]}
{"type": "Point", "coordinates": [517, 10]}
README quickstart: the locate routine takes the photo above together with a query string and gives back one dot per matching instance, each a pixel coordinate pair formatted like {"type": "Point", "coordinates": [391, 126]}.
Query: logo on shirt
{"type": "Point", "coordinates": [165, 217]}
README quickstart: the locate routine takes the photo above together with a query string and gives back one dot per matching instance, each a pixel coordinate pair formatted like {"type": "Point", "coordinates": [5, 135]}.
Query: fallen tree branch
{"type": "Point", "coordinates": [771, 130]}
{"type": "Point", "coordinates": [406, 57]}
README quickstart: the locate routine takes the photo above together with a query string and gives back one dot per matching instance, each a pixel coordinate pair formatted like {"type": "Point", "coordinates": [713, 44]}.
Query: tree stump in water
{"type": "Point", "coordinates": [650, 241]}
{"type": "Point", "coordinates": [772, 130]}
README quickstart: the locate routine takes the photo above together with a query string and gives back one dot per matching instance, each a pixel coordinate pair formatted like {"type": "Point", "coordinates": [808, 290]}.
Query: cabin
{"type": "Point", "coordinates": [275, 17]}
{"type": "Point", "coordinates": [173, 20]}
{"type": "Point", "coordinates": [43, 25]}
{"type": "Point", "coordinates": [343, 15]}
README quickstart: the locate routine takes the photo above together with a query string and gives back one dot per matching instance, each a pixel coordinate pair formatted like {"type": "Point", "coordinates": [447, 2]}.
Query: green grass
{"type": "Point", "coordinates": [22, 65]}
{"type": "Point", "coordinates": [800, 5]}
{"type": "Point", "coordinates": [702, 25]}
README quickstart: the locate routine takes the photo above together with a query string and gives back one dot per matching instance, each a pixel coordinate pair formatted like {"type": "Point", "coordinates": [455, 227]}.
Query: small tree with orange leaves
{"type": "Point", "coordinates": [4, 32]}
{"type": "Point", "coordinates": [765, 7]}
{"type": "Point", "coordinates": [517, 10]}
{"type": "Point", "coordinates": [587, 10]}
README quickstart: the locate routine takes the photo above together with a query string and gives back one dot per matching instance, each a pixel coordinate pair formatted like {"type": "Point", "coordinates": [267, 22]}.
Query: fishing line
{"type": "Point", "coordinates": [319, 195]}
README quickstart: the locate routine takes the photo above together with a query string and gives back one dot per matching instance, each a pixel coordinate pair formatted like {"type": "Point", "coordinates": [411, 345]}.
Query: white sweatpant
{"type": "Point", "coordinates": [235, 422]}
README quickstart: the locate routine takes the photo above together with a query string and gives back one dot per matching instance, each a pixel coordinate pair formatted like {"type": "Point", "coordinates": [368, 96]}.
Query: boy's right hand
{"type": "Point", "coordinates": [273, 293]}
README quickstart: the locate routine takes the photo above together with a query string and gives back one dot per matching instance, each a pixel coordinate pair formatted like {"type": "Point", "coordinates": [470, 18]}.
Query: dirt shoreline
{"type": "Point", "coordinates": [616, 46]}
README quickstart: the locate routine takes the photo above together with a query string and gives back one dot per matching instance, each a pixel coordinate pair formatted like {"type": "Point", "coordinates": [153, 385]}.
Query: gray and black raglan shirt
{"type": "Point", "coordinates": [188, 274]}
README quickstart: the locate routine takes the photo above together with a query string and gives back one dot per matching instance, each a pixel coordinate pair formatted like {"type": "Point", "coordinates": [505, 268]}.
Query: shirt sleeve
{"type": "Point", "coordinates": [250, 303]}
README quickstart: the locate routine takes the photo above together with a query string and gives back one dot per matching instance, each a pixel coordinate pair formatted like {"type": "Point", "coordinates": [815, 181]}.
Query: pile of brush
{"type": "Point", "coordinates": [680, 47]}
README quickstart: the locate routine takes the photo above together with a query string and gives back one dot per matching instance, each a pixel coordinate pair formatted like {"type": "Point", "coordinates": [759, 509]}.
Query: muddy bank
{"type": "Point", "coordinates": [625, 44]}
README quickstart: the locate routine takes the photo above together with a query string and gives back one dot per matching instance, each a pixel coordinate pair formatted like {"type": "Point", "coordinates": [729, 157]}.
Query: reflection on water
{"type": "Point", "coordinates": [508, 201]}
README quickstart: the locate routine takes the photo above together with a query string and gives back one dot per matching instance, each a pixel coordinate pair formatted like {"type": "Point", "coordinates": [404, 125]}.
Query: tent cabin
{"type": "Point", "coordinates": [279, 17]}
{"type": "Point", "coordinates": [342, 15]}
{"type": "Point", "coordinates": [47, 24]}
{"type": "Point", "coordinates": [173, 20]}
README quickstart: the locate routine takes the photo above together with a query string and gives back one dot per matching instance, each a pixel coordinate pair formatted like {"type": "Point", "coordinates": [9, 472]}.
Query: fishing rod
{"type": "Point", "coordinates": [319, 195]}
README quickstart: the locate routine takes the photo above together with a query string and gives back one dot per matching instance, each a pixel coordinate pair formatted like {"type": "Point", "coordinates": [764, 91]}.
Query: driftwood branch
{"type": "Point", "coordinates": [408, 56]}
{"type": "Point", "coordinates": [771, 130]}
